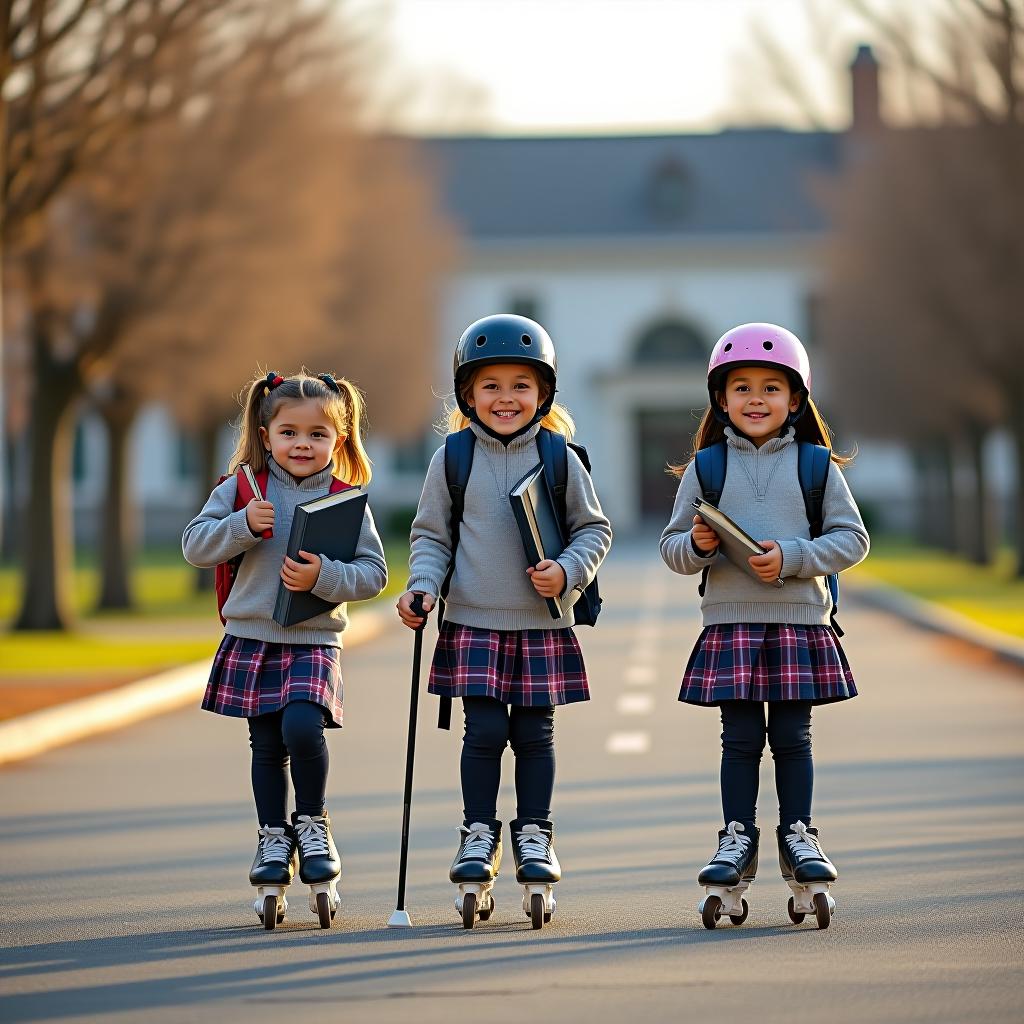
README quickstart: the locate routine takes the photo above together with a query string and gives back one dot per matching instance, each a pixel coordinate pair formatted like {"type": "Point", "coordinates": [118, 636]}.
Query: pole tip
{"type": "Point", "coordinates": [399, 919]}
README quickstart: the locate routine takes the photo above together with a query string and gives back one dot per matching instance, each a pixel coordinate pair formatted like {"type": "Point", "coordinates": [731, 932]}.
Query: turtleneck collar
{"type": "Point", "coordinates": [743, 443]}
{"type": "Point", "coordinates": [516, 443]}
{"type": "Point", "coordinates": [317, 483]}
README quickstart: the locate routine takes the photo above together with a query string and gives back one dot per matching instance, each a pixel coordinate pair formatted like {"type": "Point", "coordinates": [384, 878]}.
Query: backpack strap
{"type": "Point", "coordinates": [458, 463]}
{"type": "Point", "coordinates": [813, 462]}
{"type": "Point", "coordinates": [554, 454]}
{"type": "Point", "coordinates": [710, 465]}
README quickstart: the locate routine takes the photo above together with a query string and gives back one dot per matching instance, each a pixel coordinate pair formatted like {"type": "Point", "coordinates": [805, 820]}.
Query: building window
{"type": "Point", "coordinates": [671, 343]}
{"type": "Point", "coordinates": [79, 461]}
{"type": "Point", "coordinates": [670, 191]}
{"type": "Point", "coordinates": [186, 461]}
{"type": "Point", "coordinates": [525, 305]}
{"type": "Point", "coordinates": [414, 456]}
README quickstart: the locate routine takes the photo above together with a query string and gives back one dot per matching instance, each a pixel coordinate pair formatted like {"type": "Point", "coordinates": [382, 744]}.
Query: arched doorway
{"type": "Point", "coordinates": [664, 432]}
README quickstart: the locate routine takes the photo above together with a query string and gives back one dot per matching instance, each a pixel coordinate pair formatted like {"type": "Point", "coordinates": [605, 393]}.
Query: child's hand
{"type": "Point", "coordinates": [301, 575]}
{"type": "Point", "coordinates": [768, 566]}
{"type": "Point", "coordinates": [260, 516]}
{"type": "Point", "coordinates": [548, 578]}
{"type": "Point", "coordinates": [703, 536]}
{"type": "Point", "coordinates": [404, 607]}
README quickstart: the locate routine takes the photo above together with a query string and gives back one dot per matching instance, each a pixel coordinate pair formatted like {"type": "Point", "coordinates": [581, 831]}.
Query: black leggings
{"type": "Point", "coordinates": [294, 735]}
{"type": "Point", "coordinates": [490, 727]}
{"type": "Point", "coordinates": [788, 732]}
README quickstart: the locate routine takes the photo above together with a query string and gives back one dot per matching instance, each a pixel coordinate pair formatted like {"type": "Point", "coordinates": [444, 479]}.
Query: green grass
{"type": "Point", "coordinates": [991, 595]}
{"type": "Point", "coordinates": [172, 625]}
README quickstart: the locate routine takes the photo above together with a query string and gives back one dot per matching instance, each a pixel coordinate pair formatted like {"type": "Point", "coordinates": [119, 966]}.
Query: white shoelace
{"type": "Point", "coordinates": [802, 844]}
{"type": "Point", "coordinates": [274, 845]}
{"type": "Point", "coordinates": [533, 843]}
{"type": "Point", "coordinates": [312, 834]}
{"type": "Point", "coordinates": [732, 846]}
{"type": "Point", "coordinates": [477, 841]}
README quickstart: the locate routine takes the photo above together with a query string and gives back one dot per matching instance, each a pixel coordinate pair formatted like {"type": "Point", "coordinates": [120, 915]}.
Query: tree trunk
{"type": "Point", "coordinates": [209, 471]}
{"type": "Point", "coordinates": [117, 529]}
{"type": "Point", "coordinates": [48, 548]}
{"type": "Point", "coordinates": [976, 514]}
{"type": "Point", "coordinates": [1017, 427]}
{"type": "Point", "coordinates": [945, 495]}
{"type": "Point", "coordinates": [924, 523]}
{"type": "Point", "coordinates": [12, 514]}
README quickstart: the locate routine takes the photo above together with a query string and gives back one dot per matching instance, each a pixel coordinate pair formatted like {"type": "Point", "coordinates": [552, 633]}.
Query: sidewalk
{"type": "Point", "coordinates": [936, 619]}
{"type": "Point", "coordinates": [112, 708]}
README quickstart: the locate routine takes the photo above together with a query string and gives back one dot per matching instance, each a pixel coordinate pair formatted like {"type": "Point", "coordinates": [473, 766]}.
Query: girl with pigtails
{"type": "Point", "coordinates": [299, 436]}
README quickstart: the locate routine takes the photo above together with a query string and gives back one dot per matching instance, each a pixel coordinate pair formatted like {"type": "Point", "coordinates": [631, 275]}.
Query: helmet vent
{"type": "Point", "coordinates": [728, 347]}
{"type": "Point", "coordinates": [767, 345]}
{"type": "Point", "coordinates": [527, 340]}
{"type": "Point", "coordinates": [481, 341]}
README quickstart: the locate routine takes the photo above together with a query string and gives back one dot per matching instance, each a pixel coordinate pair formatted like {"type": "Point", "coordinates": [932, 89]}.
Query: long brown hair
{"type": "Point", "coordinates": [557, 419]}
{"type": "Point", "coordinates": [810, 427]}
{"type": "Point", "coordinates": [345, 409]}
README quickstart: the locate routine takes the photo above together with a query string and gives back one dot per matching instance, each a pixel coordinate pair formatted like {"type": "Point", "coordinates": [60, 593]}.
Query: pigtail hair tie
{"type": "Point", "coordinates": [272, 380]}
{"type": "Point", "coordinates": [330, 382]}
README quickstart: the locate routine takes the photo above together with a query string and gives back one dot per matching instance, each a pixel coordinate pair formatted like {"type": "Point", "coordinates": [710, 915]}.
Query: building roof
{"type": "Point", "coordinates": [748, 181]}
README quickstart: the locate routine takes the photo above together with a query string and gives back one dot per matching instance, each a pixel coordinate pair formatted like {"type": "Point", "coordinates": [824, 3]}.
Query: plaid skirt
{"type": "Point", "coordinates": [766, 662]}
{"type": "Point", "coordinates": [523, 667]}
{"type": "Point", "coordinates": [254, 677]}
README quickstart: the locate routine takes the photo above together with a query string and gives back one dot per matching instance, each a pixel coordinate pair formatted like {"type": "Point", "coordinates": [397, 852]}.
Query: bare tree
{"type": "Point", "coordinates": [929, 239]}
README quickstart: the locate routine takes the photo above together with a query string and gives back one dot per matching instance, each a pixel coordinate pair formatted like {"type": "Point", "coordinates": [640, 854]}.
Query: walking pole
{"type": "Point", "coordinates": [400, 918]}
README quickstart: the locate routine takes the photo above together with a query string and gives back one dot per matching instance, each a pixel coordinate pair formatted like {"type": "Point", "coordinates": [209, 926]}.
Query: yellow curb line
{"type": "Point", "coordinates": [39, 731]}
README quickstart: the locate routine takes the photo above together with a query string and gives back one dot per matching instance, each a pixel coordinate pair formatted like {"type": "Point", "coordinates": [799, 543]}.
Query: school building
{"type": "Point", "coordinates": [636, 253]}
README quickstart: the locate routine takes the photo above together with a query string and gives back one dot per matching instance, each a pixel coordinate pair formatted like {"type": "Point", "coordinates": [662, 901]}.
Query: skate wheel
{"type": "Point", "coordinates": [469, 910]}
{"type": "Point", "coordinates": [794, 916]}
{"type": "Point", "coordinates": [711, 911]}
{"type": "Point", "coordinates": [822, 911]}
{"type": "Point", "coordinates": [740, 918]}
{"type": "Point", "coordinates": [537, 914]}
{"type": "Point", "coordinates": [269, 915]}
{"type": "Point", "coordinates": [323, 909]}
{"type": "Point", "coordinates": [485, 912]}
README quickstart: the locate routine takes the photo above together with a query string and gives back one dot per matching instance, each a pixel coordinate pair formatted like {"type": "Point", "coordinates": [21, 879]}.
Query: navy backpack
{"type": "Point", "coordinates": [554, 454]}
{"type": "Point", "coordinates": [813, 461]}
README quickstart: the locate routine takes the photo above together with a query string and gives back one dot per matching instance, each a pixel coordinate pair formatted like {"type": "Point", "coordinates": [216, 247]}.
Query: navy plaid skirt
{"type": "Point", "coordinates": [765, 662]}
{"type": "Point", "coordinates": [524, 667]}
{"type": "Point", "coordinates": [254, 677]}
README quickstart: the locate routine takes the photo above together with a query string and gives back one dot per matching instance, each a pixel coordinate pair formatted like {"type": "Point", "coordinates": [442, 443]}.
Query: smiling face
{"type": "Point", "coordinates": [758, 400]}
{"type": "Point", "coordinates": [505, 396]}
{"type": "Point", "coordinates": [301, 438]}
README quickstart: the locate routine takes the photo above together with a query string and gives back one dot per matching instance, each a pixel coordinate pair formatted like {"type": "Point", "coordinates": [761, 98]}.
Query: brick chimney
{"type": "Point", "coordinates": [866, 113]}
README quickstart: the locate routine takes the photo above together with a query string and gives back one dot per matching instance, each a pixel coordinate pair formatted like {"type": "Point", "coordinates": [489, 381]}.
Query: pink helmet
{"type": "Point", "coordinates": [759, 345]}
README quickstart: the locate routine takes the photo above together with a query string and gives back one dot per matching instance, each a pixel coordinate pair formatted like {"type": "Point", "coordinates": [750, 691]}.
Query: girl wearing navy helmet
{"type": "Point", "coordinates": [498, 648]}
{"type": "Point", "coordinates": [769, 650]}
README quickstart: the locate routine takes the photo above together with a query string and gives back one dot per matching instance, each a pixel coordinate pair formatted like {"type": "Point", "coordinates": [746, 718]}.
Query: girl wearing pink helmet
{"type": "Point", "coordinates": [769, 650]}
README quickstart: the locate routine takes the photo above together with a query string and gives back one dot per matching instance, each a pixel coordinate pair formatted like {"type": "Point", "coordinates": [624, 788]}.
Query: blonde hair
{"type": "Point", "coordinates": [558, 418]}
{"type": "Point", "coordinates": [810, 427]}
{"type": "Point", "coordinates": [345, 408]}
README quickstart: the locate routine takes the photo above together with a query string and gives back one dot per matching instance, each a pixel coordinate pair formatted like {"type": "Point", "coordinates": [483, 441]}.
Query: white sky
{"type": "Point", "coordinates": [539, 66]}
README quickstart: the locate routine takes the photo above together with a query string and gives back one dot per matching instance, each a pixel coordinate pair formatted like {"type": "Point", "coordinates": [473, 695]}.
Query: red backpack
{"type": "Point", "coordinates": [224, 577]}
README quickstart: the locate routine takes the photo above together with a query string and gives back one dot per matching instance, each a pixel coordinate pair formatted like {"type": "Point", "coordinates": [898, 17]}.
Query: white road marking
{"type": "Point", "coordinates": [639, 675]}
{"type": "Point", "coordinates": [628, 743]}
{"type": "Point", "coordinates": [635, 704]}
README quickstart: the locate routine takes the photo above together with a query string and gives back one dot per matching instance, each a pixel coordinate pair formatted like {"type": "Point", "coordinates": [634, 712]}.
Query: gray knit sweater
{"type": "Point", "coordinates": [490, 587]}
{"type": "Point", "coordinates": [219, 533]}
{"type": "Point", "coordinates": [762, 495]}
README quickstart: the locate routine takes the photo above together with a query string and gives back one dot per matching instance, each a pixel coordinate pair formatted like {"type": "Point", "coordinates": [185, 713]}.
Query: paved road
{"type": "Point", "coordinates": [123, 860]}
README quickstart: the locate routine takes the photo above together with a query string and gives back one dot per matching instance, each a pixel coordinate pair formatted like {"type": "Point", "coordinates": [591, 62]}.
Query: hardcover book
{"type": "Point", "coordinates": [734, 542]}
{"type": "Point", "coordinates": [539, 527]}
{"type": "Point", "coordinates": [328, 526]}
